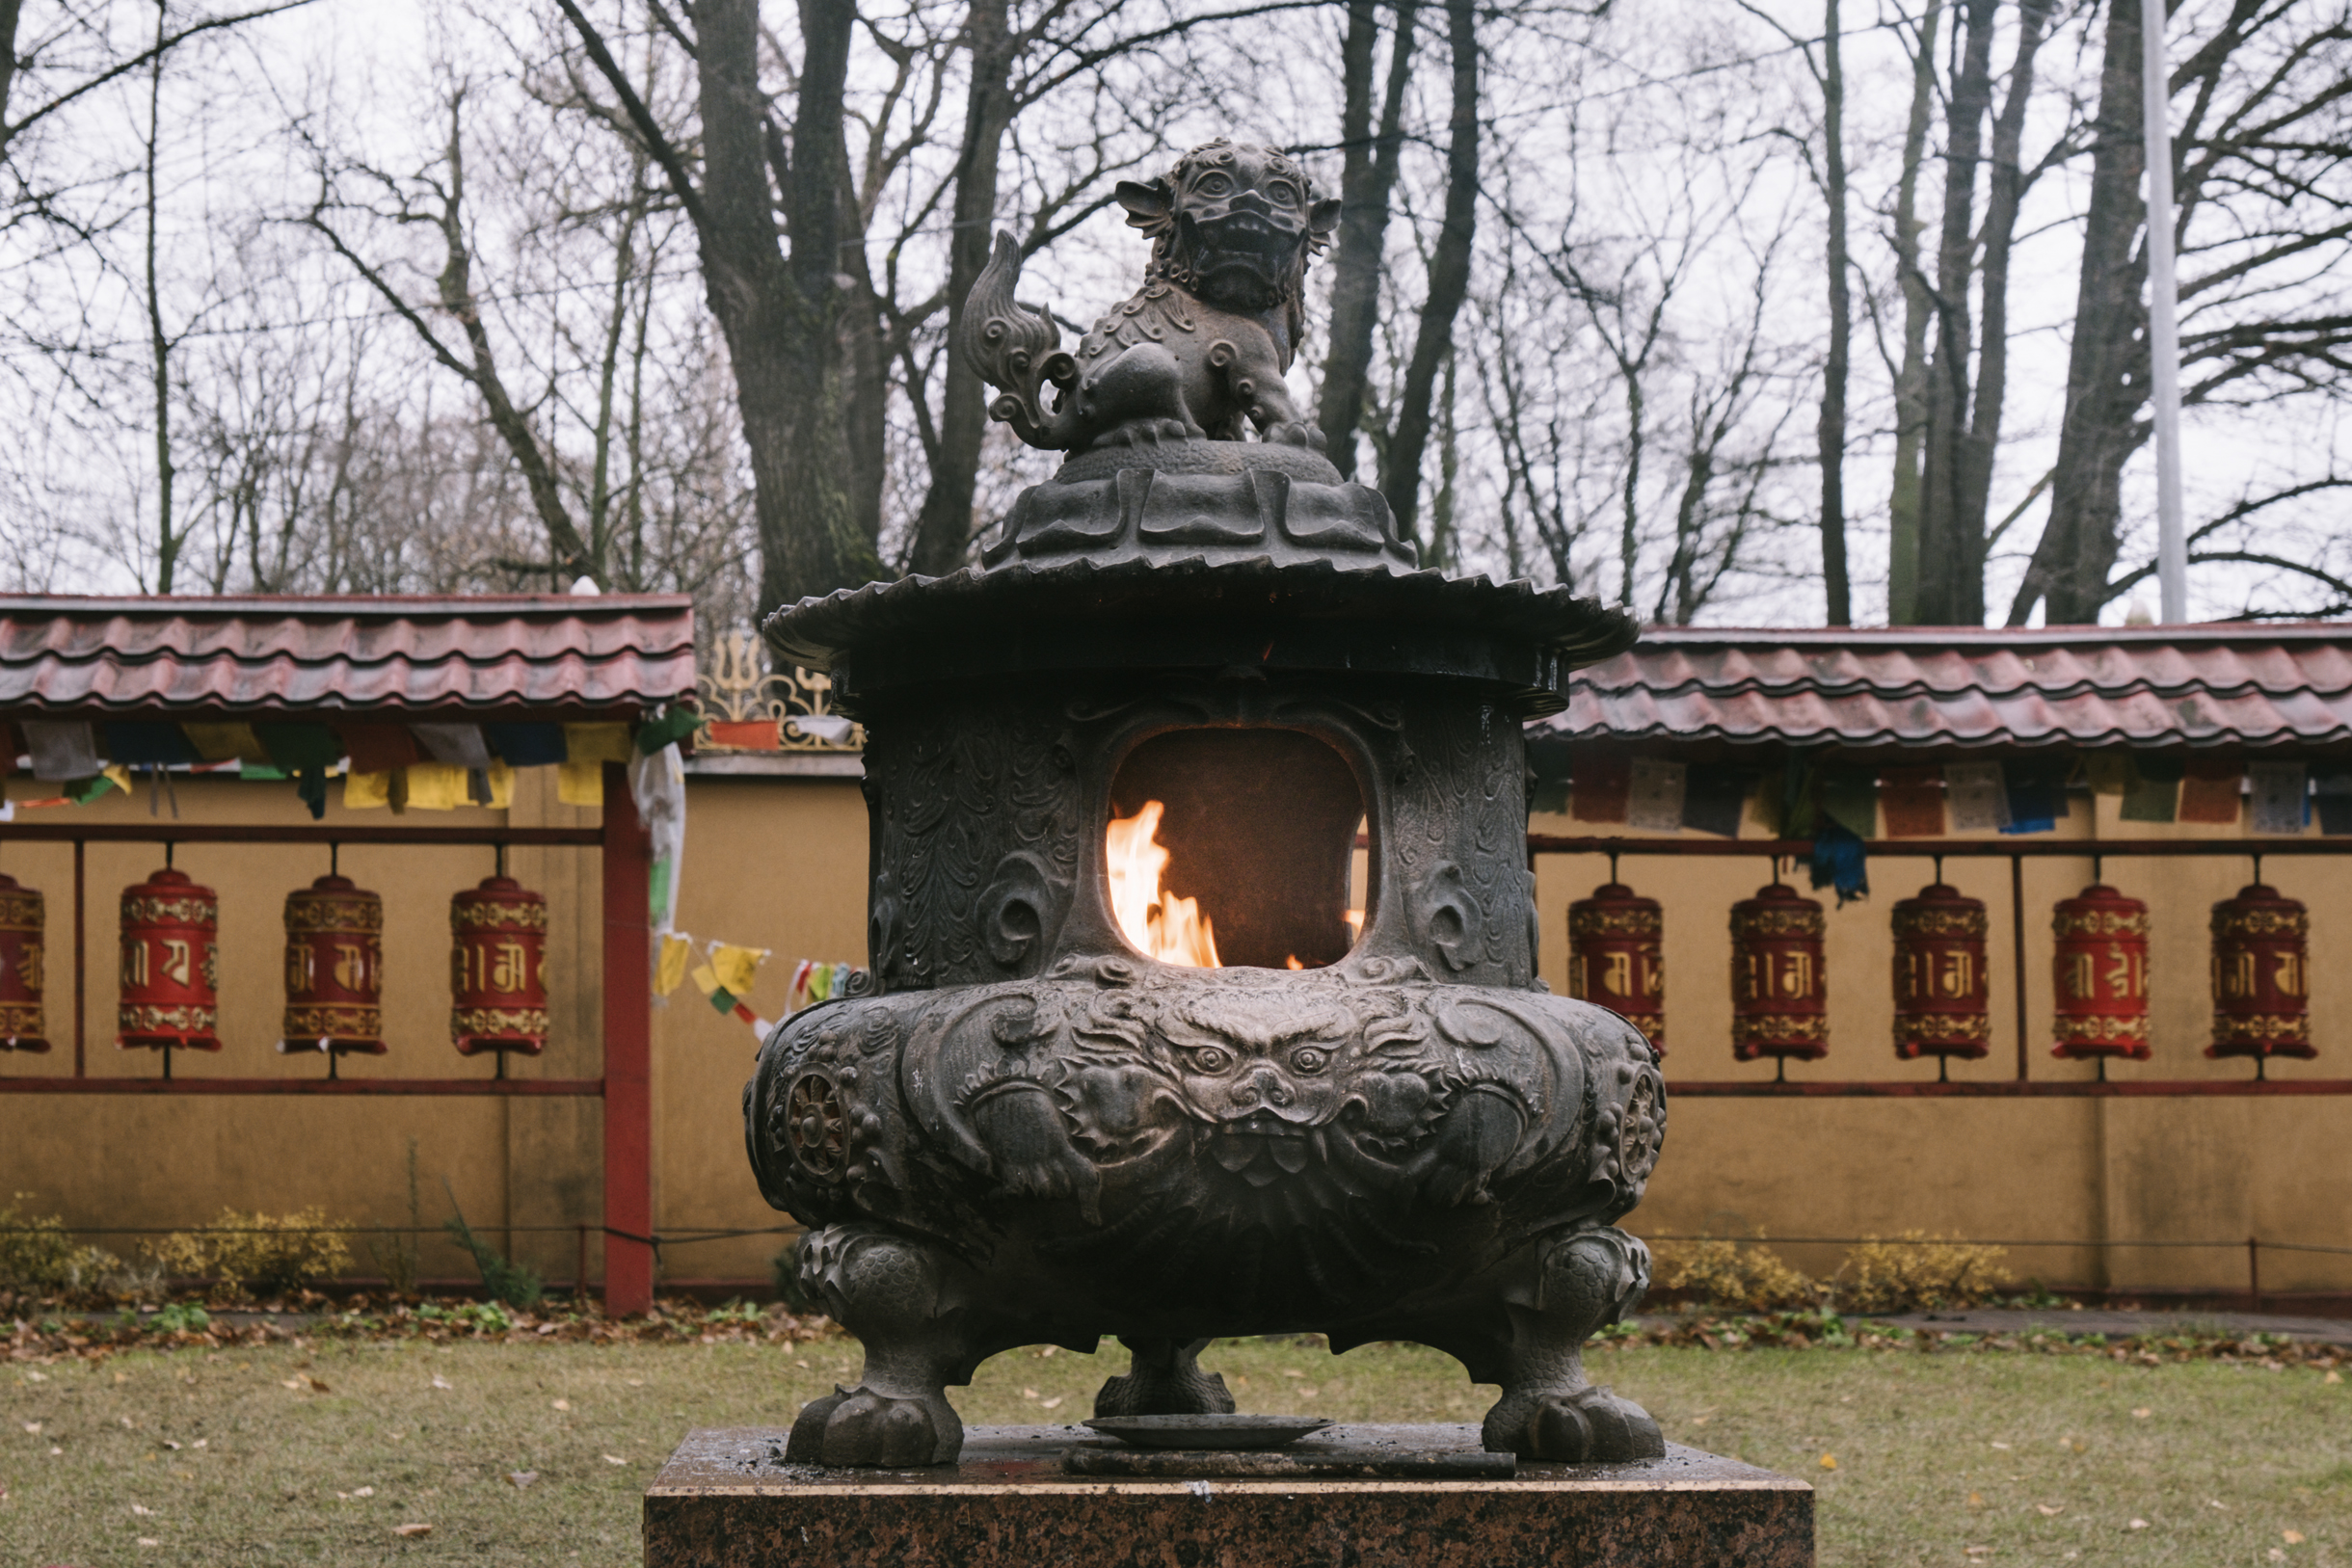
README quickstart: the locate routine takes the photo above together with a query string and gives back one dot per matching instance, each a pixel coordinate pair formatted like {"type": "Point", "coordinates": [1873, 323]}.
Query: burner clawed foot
{"type": "Point", "coordinates": [1548, 1410]}
{"type": "Point", "coordinates": [903, 1299]}
{"type": "Point", "coordinates": [1165, 1379]}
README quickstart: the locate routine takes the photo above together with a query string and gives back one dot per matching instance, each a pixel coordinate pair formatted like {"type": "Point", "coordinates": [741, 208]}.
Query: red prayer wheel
{"type": "Point", "coordinates": [1941, 999]}
{"type": "Point", "coordinates": [1615, 957]}
{"type": "Point", "coordinates": [2261, 978]}
{"type": "Point", "coordinates": [2099, 974]}
{"type": "Point", "coordinates": [335, 968]}
{"type": "Point", "coordinates": [23, 929]}
{"type": "Point", "coordinates": [499, 969]}
{"type": "Point", "coordinates": [170, 964]}
{"type": "Point", "coordinates": [1780, 987]}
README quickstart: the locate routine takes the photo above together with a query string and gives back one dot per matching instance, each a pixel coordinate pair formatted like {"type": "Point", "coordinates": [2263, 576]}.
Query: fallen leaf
{"type": "Point", "coordinates": [2216, 1503]}
{"type": "Point", "coordinates": [32, 1426]}
{"type": "Point", "coordinates": [2049, 1510]}
{"type": "Point", "coordinates": [546, 1328]}
{"type": "Point", "coordinates": [169, 1444]}
{"type": "Point", "coordinates": [522, 1477]}
{"type": "Point", "coordinates": [2137, 1524]}
{"type": "Point", "coordinates": [1698, 1420]}
{"type": "Point", "coordinates": [800, 1363]}
{"type": "Point", "coordinates": [440, 1382]}
{"type": "Point", "coordinates": [122, 1377]}
{"type": "Point", "coordinates": [561, 1404]}
{"type": "Point", "coordinates": [298, 1384]}
{"type": "Point", "coordinates": [1829, 1461]}
{"type": "Point", "coordinates": [149, 1540]}
{"type": "Point", "coordinates": [2000, 1445]}
{"type": "Point", "coordinates": [2275, 1554]}
{"type": "Point", "coordinates": [1978, 1551]}
{"type": "Point", "coordinates": [2294, 1537]}
{"type": "Point", "coordinates": [2142, 1414]}
{"type": "Point", "coordinates": [639, 1382]}
{"type": "Point", "coordinates": [54, 1452]}
{"type": "Point", "coordinates": [614, 1459]}
{"type": "Point", "coordinates": [127, 1424]}
{"type": "Point", "coordinates": [1048, 1351]}
{"type": "Point", "coordinates": [2334, 1377]}
{"type": "Point", "coordinates": [1293, 1371]}
{"type": "Point", "coordinates": [1051, 1403]}
{"type": "Point", "coordinates": [37, 1377]}
{"type": "Point", "coordinates": [1976, 1499]}
{"type": "Point", "coordinates": [410, 1531]}
{"type": "Point", "coordinates": [2079, 1446]}
{"type": "Point", "coordinates": [1306, 1391]}
{"type": "Point", "coordinates": [318, 1387]}
{"type": "Point", "coordinates": [143, 1510]}
{"type": "Point", "coordinates": [365, 1492]}
{"type": "Point", "coordinates": [1028, 1394]}
{"type": "Point", "coordinates": [202, 1441]}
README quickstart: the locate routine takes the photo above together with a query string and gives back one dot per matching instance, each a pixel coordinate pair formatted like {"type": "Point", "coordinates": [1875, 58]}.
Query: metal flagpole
{"type": "Point", "coordinates": [2163, 325]}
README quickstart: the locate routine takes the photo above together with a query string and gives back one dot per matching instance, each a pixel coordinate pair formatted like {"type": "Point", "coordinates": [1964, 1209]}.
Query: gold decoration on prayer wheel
{"type": "Point", "coordinates": [170, 964]}
{"type": "Point", "coordinates": [2099, 974]}
{"type": "Point", "coordinates": [1941, 997]}
{"type": "Point", "coordinates": [23, 929]}
{"type": "Point", "coordinates": [2261, 978]}
{"type": "Point", "coordinates": [1779, 990]}
{"type": "Point", "coordinates": [335, 968]}
{"type": "Point", "coordinates": [1615, 957]}
{"type": "Point", "coordinates": [499, 969]}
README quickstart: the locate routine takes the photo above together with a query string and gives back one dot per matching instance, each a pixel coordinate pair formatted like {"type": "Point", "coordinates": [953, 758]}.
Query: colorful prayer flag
{"type": "Point", "coordinates": [2279, 796]}
{"type": "Point", "coordinates": [2209, 790]}
{"type": "Point", "coordinates": [1976, 796]}
{"type": "Point", "coordinates": [1600, 782]}
{"type": "Point", "coordinates": [1654, 795]}
{"type": "Point", "coordinates": [1911, 801]}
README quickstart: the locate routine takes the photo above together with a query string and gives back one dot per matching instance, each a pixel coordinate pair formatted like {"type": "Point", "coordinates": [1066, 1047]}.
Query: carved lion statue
{"type": "Point", "coordinates": [1200, 350]}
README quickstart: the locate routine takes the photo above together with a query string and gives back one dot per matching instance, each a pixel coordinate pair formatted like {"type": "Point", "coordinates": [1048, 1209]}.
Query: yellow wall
{"type": "Point", "coordinates": [779, 863]}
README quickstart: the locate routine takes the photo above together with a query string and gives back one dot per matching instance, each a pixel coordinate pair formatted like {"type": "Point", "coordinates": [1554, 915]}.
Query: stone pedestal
{"type": "Point", "coordinates": [1367, 1497]}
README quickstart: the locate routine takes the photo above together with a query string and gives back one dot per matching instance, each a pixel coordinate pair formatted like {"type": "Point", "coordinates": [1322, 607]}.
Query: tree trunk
{"type": "Point", "coordinates": [1839, 591]}
{"type": "Point", "coordinates": [942, 531]}
{"type": "Point", "coordinates": [778, 314]}
{"type": "Point", "coordinates": [1910, 381]}
{"type": "Point", "coordinates": [1951, 563]}
{"type": "Point", "coordinates": [1977, 447]}
{"type": "Point", "coordinates": [167, 541]}
{"type": "Point", "coordinates": [1368, 179]}
{"type": "Point", "coordinates": [1448, 275]}
{"type": "Point", "coordinates": [2107, 361]}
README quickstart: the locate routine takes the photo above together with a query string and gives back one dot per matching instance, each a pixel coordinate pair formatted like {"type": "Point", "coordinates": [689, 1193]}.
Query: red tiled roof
{"type": "Point", "coordinates": [1971, 689]}
{"type": "Point", "coordinates": [69, 655]}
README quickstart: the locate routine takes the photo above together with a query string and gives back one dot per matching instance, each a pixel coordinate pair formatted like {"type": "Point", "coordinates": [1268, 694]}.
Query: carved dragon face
{"type": "Point", "coordinates": [1253, 1058]}
{"type": "Point", "coordinates": [1233, 224]}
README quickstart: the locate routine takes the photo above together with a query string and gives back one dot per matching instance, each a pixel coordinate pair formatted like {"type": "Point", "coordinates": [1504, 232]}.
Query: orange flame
{"type": "Point", "coordinates": [1172, 930]}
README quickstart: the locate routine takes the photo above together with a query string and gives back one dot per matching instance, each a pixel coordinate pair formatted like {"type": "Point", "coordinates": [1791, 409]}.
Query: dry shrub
{"type": "Point", "coordinates": [1737, 1274]}
{"type": "Point", "coordinates": [1916, 1271]}
{"type": "Point", "coordinates": [264, 1254]}
{"type": "Point", "coordinates": [37, 1254]}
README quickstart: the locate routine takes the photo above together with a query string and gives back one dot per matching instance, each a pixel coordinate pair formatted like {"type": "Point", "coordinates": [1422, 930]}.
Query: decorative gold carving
{"type": "Point", "coordinates": [304, 915]}
{"type": "Point", "coordinates": [334, 1022]}
{"type": "Point", "coordinates": [481, 916]}
{"type": "Point", "coordinates": [20, 911]}
{"type": "Point", "coordinates": [1616, 922]}
{"type": "Point", "coordinates": [736, 687]}
{"type": "Point", "coordinates": [142, 1018]}
{"type": "Point", "coordinates": [1942, 1027]}
{"type": "Point", "coordinates": [2101, 923]}
{"type": "Point", "coordinates": [1777, 1029]}
{"type": "Point", "coordinates": [19, 1018]}
{"type": "Point", "coordinates": [2261, 922]}
{"type": "Point", "coordinates": [2263, 1029]}
{"type": "Point", "coordinates": [201, 912]}
{"type": "Point", "coordinates": [497, 1020]}
{"type": "Point", "coordinates": [2101, 1028]}
{"type": "Point", "coordinates": [1803, 922]}
{"type": "Point", "coordinates": [1939, 923]}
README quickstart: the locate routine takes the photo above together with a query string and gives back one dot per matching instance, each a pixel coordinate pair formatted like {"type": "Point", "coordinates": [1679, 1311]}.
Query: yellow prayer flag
{"type": "Point", "coordinates": [223, 742]}
{"type": "Point", "coordinates": [2110, 772]}
{"type": "Point", "coordinates": [119, 776]}
{"type": "Point", "coordinates": [435, 786]}
{"type": "Point", "coordinates": [365, 789]}
{"type": "Point", "coordinates": [596, 743]}
{"type": "Point", "coordinates": [580, 783]}
{"type": "Point", "coordinates": [501, 788]}
{"type": "Point", "coordinates": [738, 968]}
{"type": "Point", "coordinates": [672, 971]}
{"type": "Point", "coordinates": [705, 980]}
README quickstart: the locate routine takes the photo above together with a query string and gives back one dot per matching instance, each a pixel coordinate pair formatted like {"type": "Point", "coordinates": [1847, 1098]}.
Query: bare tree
{"type": "Point", "coordinates": [1367, 181]}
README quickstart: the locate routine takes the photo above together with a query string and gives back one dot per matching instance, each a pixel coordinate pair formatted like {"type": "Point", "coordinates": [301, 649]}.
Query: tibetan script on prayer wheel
{"type": "Point", "coordinates": [2099, 974]}
{"type": "Point", "coordinates": [170, 964]}
{"type": "Point", "coordinates": [1615, 957]}
{"type": "Point", "coordinates": [335, 968]}
{"type": "Point", "coordinates": [23, 924]}
{"type": "Point", "coordinates": [2261, 982]}
{"type": "Point", "coordinates": [1941, 984]}
{"type": "Point", "coordinates": [499, 969]}
{"type": "Point", "coordinates": [1779, 990]}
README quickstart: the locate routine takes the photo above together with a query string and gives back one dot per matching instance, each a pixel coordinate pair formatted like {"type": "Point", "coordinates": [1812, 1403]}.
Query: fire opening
{"type": "Point", "coordinates": [1237, 847]}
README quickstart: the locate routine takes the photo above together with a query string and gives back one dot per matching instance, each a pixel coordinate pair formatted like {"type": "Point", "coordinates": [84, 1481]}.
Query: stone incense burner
{"type": "Point", "coordinates": [1210, 649]}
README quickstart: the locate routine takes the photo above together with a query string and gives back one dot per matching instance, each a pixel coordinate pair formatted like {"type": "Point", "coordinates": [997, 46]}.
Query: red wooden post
{"type": "Point", "coordinates": [628, 1027]}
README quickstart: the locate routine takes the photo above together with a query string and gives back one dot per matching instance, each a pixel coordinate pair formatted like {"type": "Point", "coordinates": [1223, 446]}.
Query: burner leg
{"type": "Point", "coordinates": [1549, 1410]}
{"type": "Point", "coordinates": [903, 1300]}
{"type": "Point", "coordinates": [1164, 1380]}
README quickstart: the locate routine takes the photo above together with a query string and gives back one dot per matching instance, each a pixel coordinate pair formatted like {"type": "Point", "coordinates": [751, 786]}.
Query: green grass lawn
{"type": "Point", "coordinates": [211, 1456]}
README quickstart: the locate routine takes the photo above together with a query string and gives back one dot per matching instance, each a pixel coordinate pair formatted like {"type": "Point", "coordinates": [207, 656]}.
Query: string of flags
{"type": "Point", "coordinates": [726, 972]}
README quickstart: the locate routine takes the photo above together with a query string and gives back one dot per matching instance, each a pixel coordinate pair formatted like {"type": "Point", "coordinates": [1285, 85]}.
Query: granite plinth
{"type": "Point", "coordinates": [726, 1500]}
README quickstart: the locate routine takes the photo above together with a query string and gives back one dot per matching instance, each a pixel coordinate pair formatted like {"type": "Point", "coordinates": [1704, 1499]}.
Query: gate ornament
{"type": "Point", "coordinates": [1367, 1120]}
{"type": "Point", "coordinates": [335, 968]}
{"type": "Point", "coordinates": [2098, 976]}
{"type": "Point", "coordinates": [25, 923]}
{"type": "Point", "coordinates": [2261, 980]}
{"type": "Point", "coordinates": [170, 964]}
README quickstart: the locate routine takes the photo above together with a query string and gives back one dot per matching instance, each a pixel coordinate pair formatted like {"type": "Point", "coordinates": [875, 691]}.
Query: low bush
{"type": "Point", "coordinates": [1915, 1272]}
{"type": "Point", "coordinates": [259, 1253]}
{"type": "Point", "coordinates": [1746, 1275]}
{"type": "Point", "coordinates": [38, 1253]}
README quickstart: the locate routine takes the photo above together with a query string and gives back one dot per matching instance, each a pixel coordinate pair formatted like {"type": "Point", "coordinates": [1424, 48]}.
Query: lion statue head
{"type": "Point", "coordinates": [1235, 225]}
